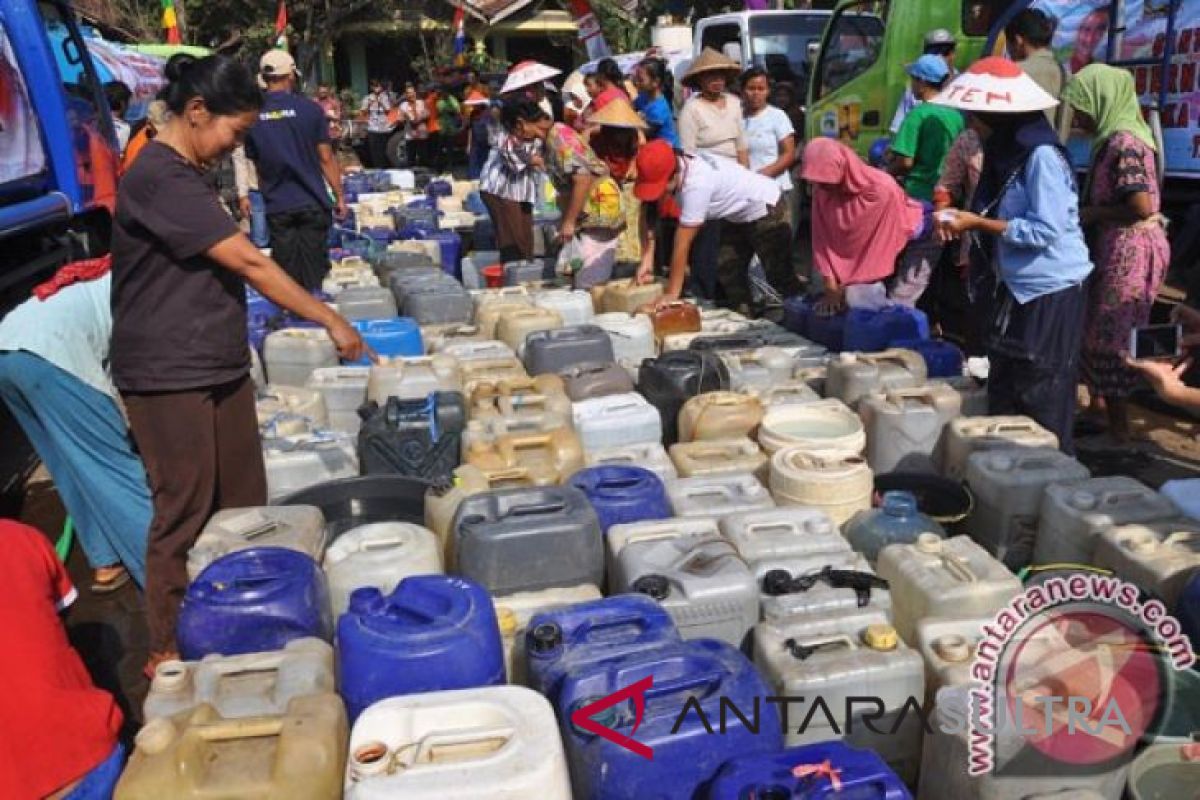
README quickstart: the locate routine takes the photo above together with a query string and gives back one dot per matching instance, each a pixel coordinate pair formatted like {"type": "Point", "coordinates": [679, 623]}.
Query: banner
{"type": "Point", "coordinates": [589, 29]}
{"type": "Point", "coordinates": [1083, 37]}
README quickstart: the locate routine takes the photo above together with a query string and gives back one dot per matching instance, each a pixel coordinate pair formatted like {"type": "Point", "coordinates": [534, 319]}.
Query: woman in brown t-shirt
{"type": "Point", "coordinates": [179, 352]}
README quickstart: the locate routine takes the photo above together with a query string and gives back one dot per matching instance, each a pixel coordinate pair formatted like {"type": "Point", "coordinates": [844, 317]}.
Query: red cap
{"type": "Point", "coordinates": [655, 166]}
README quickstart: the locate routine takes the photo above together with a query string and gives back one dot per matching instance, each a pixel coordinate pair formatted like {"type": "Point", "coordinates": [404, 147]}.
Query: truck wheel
{"type": "Point", "coordinates": [397, 151]}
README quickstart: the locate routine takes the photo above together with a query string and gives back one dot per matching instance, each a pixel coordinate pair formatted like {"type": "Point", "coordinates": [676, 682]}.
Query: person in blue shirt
{"type": "Point", "coordinates": [652, 79]}
{"type": "Point", "coordinates": [297, 169]}
{"type": "Point", "coordinates": [1029, 260]}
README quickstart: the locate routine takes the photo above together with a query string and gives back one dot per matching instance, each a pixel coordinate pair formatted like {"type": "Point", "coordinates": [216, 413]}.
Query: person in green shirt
{"type": "Point", "coordinates": [927, 132]}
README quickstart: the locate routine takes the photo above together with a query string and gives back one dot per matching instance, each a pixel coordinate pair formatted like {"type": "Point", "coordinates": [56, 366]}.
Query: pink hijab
{"type": "Point", "coordinates": [861, 218]}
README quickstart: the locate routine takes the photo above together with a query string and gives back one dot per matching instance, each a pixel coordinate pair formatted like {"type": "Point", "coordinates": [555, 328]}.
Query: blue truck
{"type": "Point", "coordinates": [58, 154]}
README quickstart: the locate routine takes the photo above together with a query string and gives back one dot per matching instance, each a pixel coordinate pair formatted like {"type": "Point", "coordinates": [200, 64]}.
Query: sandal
{"type": "Point", "coordinates": [120, 577]}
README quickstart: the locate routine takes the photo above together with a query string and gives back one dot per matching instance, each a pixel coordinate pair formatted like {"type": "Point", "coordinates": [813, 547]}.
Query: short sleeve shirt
{"type": "Point", "coordinates": [926, 136]}
{"type": "Point", "coordinates": [765, 132]}
{"type": "Point", "coordinates": [179, 318]}
{"type": "Point", "coordinates": [568, 155]}
{"type": "Point", "coordinates": [58, 725]}
{"type": "Point", "coordinates": [377, 107]}
{"type": "Point", "coordinates": [283, 146]}
{"type": "Point", "coordinates": [717, 188]}
{"type": "Point", "coordinates": [658, 116]}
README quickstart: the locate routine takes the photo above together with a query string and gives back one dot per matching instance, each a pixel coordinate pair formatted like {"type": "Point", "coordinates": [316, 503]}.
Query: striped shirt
{"type": "Point", "coordinates": [508, 173]}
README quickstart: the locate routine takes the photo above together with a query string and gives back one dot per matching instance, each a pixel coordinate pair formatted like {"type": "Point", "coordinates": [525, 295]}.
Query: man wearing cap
{"type": "Point", "coordinates": [938, 42]}
{"type": "Point", "coordinates": [925, 136]}
{"type": "Point", "coordinates": [292, 153]}
{"type": "Point", "coordinates": [702, 187]}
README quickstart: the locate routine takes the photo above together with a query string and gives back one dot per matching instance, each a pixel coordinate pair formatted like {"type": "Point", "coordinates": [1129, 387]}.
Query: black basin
{"type": "Point", "coordinates": [946, 501]}
{"type": "Point", "coordinates": [350, 502]}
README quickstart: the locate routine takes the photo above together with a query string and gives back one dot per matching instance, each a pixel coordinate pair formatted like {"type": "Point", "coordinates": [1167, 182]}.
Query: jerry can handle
{"type": "Point", "coordinates": [462, 738]}
{"type": "Point", "coordinates": [709, 681]}
{"type": "Point", "coordinates": [537, 509]}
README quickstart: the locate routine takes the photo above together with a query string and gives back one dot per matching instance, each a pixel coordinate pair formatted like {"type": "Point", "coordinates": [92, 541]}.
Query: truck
{"type": "Point", "coordinates": [859, 76]}
{"type": "Point", "coordinates": [780, 42]}
{"type": "Point", "coordinates": [58, 168]}
{"type": "Point", "coordinates": [58, 148]}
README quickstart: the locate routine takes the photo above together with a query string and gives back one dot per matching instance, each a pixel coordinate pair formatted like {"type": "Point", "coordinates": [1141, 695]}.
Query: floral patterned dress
{"type": "Point", "coordinates": [590, 257]}
{"type": "Point", "coordinates": [1131, 264]}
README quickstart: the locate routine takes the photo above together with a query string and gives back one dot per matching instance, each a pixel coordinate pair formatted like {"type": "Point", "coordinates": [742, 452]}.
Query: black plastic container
{"type": "Point", "coordinates": [350, 502]}
{"type": "Point", "coordinates": [673, 378]}
{"type": "Point", "coordinates": [418, 438]}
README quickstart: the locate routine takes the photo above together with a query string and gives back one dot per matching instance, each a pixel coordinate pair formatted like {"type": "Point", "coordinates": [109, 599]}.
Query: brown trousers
{"type": "Point", "coordinates": [202, 454]}
{"type": "Point", "coordinates": [513, 223]}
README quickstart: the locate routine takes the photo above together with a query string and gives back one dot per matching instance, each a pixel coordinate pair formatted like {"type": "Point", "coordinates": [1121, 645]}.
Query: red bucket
{"type": "Point", "coordinates": [493, 276]}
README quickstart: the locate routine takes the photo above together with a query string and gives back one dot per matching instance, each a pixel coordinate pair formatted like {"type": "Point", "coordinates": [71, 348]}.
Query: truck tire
{"type": "Point", "coordinates": [397, 151]}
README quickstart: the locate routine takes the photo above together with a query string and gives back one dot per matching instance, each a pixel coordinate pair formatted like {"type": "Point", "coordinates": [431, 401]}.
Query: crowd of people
{"type": "Point", "coordinates": [130, 374]}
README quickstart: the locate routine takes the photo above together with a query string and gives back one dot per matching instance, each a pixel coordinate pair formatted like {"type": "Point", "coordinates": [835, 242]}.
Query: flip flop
{"type": "Point", "coordinates": [112, 584]}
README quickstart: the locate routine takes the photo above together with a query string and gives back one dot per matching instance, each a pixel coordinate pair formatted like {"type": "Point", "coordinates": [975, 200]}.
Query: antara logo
{"type": "Point", "coordinates": [582, 716]}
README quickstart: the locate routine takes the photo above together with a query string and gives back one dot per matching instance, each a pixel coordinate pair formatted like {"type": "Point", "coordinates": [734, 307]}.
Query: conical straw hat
{"type": "Point", "coordinates": [995, 85]}
{"type": "Point", "coordinates": [618, 114]}
{"type": "Point", "coordinates": [710, 60]}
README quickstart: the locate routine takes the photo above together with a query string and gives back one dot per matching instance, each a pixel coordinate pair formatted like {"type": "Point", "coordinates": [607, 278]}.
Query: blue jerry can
{"type": "Point", "coordinates": [253, 601]}
{"type": "Point", "coordinates": [621, 494]}
{"type": "Point", "coordinates": [432, 633]}
{"type": "Point", "coordinates": [823, 771]}
{"type": "Point", "coordinates": [685, 686]}
{"type": "Point", "coordinates": [568, 640]}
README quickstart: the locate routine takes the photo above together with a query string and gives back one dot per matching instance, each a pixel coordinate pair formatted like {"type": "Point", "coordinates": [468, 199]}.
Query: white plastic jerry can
{"type": "Point", "coordinates": [853, 655]}
{"type": "Point", "coordinates": [292, 354]}
{"type": "Point", "coordinates": [949, 647]}
{"type": "Point", "coordinates": [717, 495]}
{"type": "Point", "coordinates": [496, 742]}
{"type": "Point", "coordinates": [616, 420]}
{"type": "Point", "coordinates": [293, 527]}
{"type": "Point", "coordinates": [936, 577]}
{"type": "Point", "coordinates": [248, 685]}
{"type": "Point", "coordinates": [1157, 556]}
{"type": "Point", "coordinates": [694, 574]}
{"type": "Point", "coordinates": [412, 378]}
{"type": "Point", "coordinates": [648, 455]}
{"type": "Point", "coordinates": [278, 407]}
{"type": "Point", "coordinates": [1074, 514]}
{"type": "Point", "coordinates": [967, 435]}
{"type": "Point", "coordinates": [1008, 484]}
{"type": "Point", "coordinates": [513, 612]}
{"type": "Point", "coordinates": [344, 390]}
{"type": "Point", "coordinates": [378, 555]}
{"type": "Point", "coordinates": [297, 462]}
{"type": "Point", "coordinates": [852, 593]}
{"type": "Point", "coordinates": [904, 426]}
{"type": "Point", "coordinates": [853, 376]}
{"type": "Point", "coordinates": [782, 533]}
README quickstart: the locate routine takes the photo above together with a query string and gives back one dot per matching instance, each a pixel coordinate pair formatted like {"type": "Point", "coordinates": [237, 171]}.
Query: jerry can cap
{"type": "Point", "coordinates": [881, 637]}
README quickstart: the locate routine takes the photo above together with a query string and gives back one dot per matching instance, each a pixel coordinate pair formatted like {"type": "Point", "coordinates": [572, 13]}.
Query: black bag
{"type": "Point", "coordinates": [418, 438]}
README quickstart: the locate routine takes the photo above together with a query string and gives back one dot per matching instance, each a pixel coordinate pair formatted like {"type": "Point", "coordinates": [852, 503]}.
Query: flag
{"type": "Point", "coordinates": [460, 36]}
{"type": "Point", "coordinates": [170, 23]}
{"type": "Point", "coordinates": [589, 29]}
{"type": "Point", "coordinates": [281, 40]}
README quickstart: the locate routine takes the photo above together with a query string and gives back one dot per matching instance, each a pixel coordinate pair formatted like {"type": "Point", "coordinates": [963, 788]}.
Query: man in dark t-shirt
{"type": "Point", "coordinates": [291, 149]}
